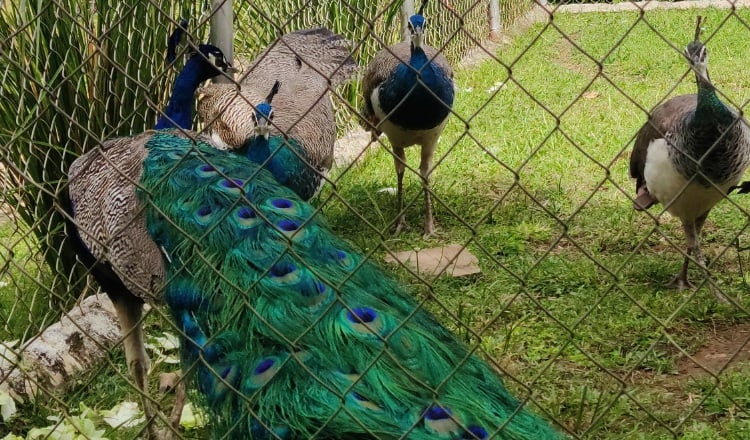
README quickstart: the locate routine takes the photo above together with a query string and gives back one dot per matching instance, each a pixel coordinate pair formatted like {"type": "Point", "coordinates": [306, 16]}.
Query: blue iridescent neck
{"type": "Point", "coordinates": [179, 111]}
{"type": "Point", "coordinates": [287, 160]}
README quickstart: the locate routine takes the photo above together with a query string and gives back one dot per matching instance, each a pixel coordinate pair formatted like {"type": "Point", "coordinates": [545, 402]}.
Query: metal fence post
{"type": "Point", "coordinates": [495, 19]}
{"type": "Point", "coordinates": [222, 32]}
{"type": "Point", "coordinates": [407, 10]}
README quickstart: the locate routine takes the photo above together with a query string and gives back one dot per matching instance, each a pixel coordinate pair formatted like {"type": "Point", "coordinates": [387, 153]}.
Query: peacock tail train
{"type": "Point", "coordinates": [287, 331]}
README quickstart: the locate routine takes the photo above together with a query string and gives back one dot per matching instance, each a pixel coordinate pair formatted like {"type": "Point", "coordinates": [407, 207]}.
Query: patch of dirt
{"type": "Point", "coordinates": [727, 348]}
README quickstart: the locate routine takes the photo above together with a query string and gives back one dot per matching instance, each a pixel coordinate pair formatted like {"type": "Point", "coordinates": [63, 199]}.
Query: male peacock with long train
{"type": "Point", "coordinates": [286, 330]}
{"type": "Point", "coordinates": [122, 259]}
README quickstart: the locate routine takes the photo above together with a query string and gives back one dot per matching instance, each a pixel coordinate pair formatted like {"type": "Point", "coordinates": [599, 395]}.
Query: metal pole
{"type": "Point", "coordinates": [222, 32]}
{"type": "Point", "coordinates": [495, 20]}
{"type": "Point", "coordinates": [407, 10]}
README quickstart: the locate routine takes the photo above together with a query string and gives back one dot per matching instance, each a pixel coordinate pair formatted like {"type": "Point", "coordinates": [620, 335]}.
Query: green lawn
{"type": "Point", "coordinates": [532, 176]}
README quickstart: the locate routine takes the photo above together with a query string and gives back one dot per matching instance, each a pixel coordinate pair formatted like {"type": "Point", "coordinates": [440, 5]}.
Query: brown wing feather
{"type": "Point", "coordinates": [109, 217]}
{"type": "Point", "coordinates": [663, 119]}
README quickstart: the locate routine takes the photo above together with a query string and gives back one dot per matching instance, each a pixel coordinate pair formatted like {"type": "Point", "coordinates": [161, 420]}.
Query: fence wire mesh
{"type": "Point", "coordinates": [555, 280]}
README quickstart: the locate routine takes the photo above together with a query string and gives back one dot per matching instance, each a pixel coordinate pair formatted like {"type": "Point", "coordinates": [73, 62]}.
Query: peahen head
{"type": "Point", "coordinates": [417, 25]}
{"type": "Point", "coordinates": [697, 56]}
{"type": "Point", "coordinates": [263, 115]}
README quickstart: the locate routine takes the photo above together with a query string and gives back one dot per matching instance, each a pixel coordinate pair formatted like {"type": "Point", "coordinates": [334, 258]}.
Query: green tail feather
{"type": "Point", "coordinates": [271, 307]}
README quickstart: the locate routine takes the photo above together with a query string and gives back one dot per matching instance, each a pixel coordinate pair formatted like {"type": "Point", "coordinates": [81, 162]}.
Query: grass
{"type": "Point", "coordinates": [532, 176]}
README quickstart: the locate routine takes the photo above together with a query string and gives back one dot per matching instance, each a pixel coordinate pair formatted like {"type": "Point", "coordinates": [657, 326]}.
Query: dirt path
{"type": "Point", "coordinates": [727, 347]}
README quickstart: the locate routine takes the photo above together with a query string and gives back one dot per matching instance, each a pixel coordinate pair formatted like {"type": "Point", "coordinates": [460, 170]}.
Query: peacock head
{"type": "Point", "coordinates": [416, 29]}
{"type": "Point", "coordinates": [212, 60]}
{"type": "Point", "coordinates": [417, 25]}
{"type": "Point", "coordinates": [697, 55]}
{"type": "Point", "coordinates": [263, 115]}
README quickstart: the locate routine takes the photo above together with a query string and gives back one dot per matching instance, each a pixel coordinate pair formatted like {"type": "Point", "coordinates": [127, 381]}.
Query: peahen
{"type": "Point", "coordinates": [124, 260]}
{"type": "Point", "coordinates": [408, 94]}
{"type": "Point", "coordinates": [309, 63]}
{"type": "Point", "coordinates": [283, 156]}
{"type": "Point", "coordinates": [691, 152]}
{"type": "Point", "coordinates": [286, 330]}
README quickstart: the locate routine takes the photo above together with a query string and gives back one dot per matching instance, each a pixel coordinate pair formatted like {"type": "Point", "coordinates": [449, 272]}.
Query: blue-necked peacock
{"type": "Point", "coordinates": [691, 152]}
{"type": "Point", "coordinates": [408, 94]}
{"type": "Point", "coordinates": [286, 330]}
{"type": "Point", "coordinates": [205, 63]}
{"type": "Point", "coordinates": [122, 257]}
{"type": "Point", "coordinates": [309, 63]}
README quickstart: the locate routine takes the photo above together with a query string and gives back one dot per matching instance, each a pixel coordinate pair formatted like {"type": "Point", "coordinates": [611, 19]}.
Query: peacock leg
{"type": "Point", "coordinates": [680, 282]}
{"type": "Point", "coordinates": [425, 167]}
{"type": "Point", "coordinates": [399, 159]}
{"type": "Point", "coordinates": [129, 309]}
{"type": "Point", "coordinates": [701, 260]}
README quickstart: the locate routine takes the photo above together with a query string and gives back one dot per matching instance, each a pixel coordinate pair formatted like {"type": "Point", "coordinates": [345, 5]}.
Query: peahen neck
{"type": "Point", "coordinates": [179, 111]}
{"type": "Point", "coordinates": [710, 109]}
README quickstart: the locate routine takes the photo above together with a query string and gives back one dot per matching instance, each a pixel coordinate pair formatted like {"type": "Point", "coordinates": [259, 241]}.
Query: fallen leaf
{"type": "Point", "coordinates": [123, 415]}
{"type": "Point", "coordinates": [591, 95]}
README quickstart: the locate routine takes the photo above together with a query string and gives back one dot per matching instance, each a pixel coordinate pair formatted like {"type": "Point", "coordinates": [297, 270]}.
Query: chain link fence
{"type": "Point", "coordinates": [561, 284]}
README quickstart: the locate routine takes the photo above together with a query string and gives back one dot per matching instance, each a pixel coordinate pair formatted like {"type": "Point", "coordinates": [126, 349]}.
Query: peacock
{"type": "Point", "coordinates": [126, 262]}
{"type": "Point", "coordinates": [309, 63]}
{"type": "Point", "coordinates": [286, 330]}
{"type": "Point", "coordinates": [206, 63]}
{"type": "Point", "coordinates": [691, 152]}
{"type": "Point", "coordinates": [408, 94]}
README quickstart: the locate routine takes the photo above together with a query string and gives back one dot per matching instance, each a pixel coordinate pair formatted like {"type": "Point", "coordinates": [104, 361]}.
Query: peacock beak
{"type": "Point", "coordinates": [261, 128]}
{"type": "Point", "coordinates": [417, 36]}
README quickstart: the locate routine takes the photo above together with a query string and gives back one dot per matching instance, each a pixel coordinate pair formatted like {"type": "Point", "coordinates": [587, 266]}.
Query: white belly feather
{"type": "Point", "coordinates": [666, 184]}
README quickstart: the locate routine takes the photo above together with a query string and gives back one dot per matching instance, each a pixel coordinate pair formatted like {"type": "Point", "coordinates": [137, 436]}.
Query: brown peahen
{"type": "Point", "coordinates": [100, 226]}
{"type": "Point", "coordinates": [691, 152]}
{"type": "Point", "coordinates": [309, 63]}
{"type": "Point", "coordinates": [408, 95]}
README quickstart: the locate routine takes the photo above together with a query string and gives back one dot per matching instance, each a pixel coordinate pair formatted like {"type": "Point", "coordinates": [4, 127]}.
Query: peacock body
{"type": "Point", "coordinates": [286, 329]}
{"type": "Point", "coordinates": [408, 95]}
{"type": "Point", "coordinates": [110, 238]}
{"type": "Point", "coordinates": [689, 155]}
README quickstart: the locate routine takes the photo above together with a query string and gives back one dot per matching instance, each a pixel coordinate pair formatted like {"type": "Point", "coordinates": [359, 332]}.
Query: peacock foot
{"type": "Point", "coordinates": [680, 283]}
{"type": "Point", "coordinates": [399, 225]}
